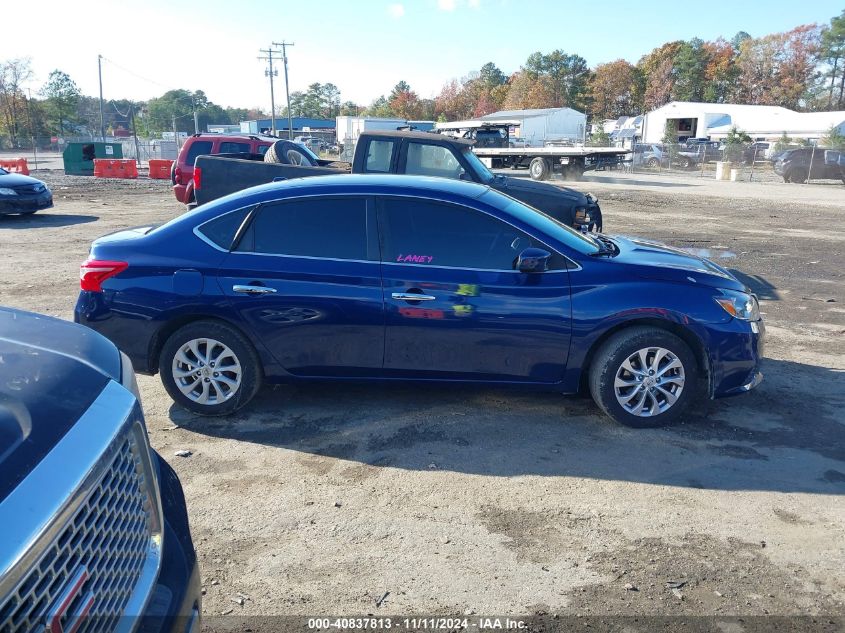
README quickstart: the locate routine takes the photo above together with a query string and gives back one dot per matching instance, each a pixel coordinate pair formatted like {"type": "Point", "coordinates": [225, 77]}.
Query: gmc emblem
{"type": "Point", "coordinates": [59, 611]}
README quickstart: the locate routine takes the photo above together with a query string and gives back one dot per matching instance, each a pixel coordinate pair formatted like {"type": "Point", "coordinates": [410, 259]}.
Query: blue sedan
{"type": "Point", "coordinates": [407, 278]}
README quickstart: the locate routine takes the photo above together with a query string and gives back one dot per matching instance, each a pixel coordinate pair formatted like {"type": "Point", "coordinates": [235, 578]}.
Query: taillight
{"type": "Point", "coordinates": [94, 272]}
{"type": "Point", "coordinates": [197, 178]}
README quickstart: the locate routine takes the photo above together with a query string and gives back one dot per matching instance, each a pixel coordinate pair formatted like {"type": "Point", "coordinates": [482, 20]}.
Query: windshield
{"type": "Point", "coordinates": [308, 151]}
{"type": "Point", "coordinates": [542, 222]}
{"type": "Point", "coordinates": [3, 172]}
{"type": "Point", "coordinates": [485, 174]}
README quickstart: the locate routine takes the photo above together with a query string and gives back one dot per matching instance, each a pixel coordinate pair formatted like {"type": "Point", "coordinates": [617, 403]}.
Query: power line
{"type": "Point", "coordinates": [136, 75]}
{"type": "Point", "coordinates": [268, 57]}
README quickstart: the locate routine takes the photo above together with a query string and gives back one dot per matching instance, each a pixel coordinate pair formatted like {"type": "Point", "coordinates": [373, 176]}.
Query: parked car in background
{"type": "Point", "coordinates": [314, 143]}
{"type": "Point", "coordinates": [387, 278]}
{"type": "Point", "coordinates": [23, 195]}
{"type": "Point", "coordinates": [698, 150]}
{"type": "Point", "coordinates": [182, 173]}
{"type": "Point", "coordinates": [93, 521]}
{"type": "Point", "coordinates": [649, 155]}
{"type": "Point", "coordinates": [755, 152]}
{"type": "Point", "coordinates": [799, 165]}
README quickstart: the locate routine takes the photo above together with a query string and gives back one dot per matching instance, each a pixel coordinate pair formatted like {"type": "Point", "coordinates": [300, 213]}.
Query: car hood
{"type": "Point", "coordinates": [51, 371]}
{"type": "Point", "coordinates": [654, 260]}
{"type": "Point", "coordinates": [17, 180]}
{"type": "Point", "coordinates": [522, 188]}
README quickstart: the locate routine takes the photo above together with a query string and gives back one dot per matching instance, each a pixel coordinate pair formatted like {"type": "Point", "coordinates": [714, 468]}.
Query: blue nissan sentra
{"type": "Point", "coordinates": [416, 279]}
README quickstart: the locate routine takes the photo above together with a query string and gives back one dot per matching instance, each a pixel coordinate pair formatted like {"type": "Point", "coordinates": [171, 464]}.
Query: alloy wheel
{"type": "Point", "coordinates": [206, 371]}
{"type": "Point", "coordinates": [649, 382]}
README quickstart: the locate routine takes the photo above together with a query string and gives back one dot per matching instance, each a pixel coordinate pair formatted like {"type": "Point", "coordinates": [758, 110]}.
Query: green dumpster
{"type": "Point", "coordinates": [79, 157]}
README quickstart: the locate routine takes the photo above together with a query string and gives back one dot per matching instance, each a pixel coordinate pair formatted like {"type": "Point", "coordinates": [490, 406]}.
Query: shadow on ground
{"type": "Point", "coordinates": [760, 286]}
{"type": "Point", "coordinates": [786, 436]}
{"type": "Point", "coordinates": [42, 220]}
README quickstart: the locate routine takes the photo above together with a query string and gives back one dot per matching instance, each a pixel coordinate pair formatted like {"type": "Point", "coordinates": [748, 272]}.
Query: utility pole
{"type": "Point", "coordinates": [32, 128]}
{"type": "Point", "coordinates": [102, 117]}
{"type": "Point", "coordinates": [271, 73]}
{"type": "Point", "coordinates": [284, 46]}
{"type": "Point", "coordinates": [135, 134]}
{"type": "Point", "coordinates": [196, 116]}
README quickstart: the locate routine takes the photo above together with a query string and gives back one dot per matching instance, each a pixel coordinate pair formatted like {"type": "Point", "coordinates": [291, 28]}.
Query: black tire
{"type": "Point", "coordinates": [251, 372]}
{"type": "Point", "coordinates": [620, 347]}
{"type": "Point", "coordinates": [652, 162]}
{"type": "Point", "coordinates": [798, 175]}
{"type": "Point", "coordinates": [539, 168]}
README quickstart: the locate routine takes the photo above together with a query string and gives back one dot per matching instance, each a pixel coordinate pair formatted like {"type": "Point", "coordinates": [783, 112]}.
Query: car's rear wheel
{"type": "Point", "coordinates": [210, 368]}
{"type": "Point", "coordinates": [539, 168]}
{"type": "Point", "coordinates": [644, 376]}
{"type": "Point", "coordinates": [652, 162]}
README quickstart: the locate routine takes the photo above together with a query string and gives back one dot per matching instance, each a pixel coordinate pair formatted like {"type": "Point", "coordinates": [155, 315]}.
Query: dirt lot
{"type": "Point", "coordinates": [356, 500]}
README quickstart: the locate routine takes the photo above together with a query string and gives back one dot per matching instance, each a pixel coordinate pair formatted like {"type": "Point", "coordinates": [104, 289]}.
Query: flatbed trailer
{"type": "Point", "coordinates": [542, 162]}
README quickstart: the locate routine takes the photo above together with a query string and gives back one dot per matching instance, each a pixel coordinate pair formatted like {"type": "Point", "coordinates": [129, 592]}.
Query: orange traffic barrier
{"type": "Point", "coordinates": [160, 168]}
{"type": "Point", "coordinates": [15, 165]}
{"type": "Point", "coordinates": [115, 168]}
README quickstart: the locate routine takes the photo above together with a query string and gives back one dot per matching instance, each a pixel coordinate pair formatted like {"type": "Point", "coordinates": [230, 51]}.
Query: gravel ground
{"type": "Point", "coordinates": [394, 500]}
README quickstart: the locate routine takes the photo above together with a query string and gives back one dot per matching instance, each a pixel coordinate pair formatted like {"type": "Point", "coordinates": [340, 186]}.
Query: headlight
{"type": "Point", "coordinates": [5, 191]}
{"type": "Point", "coordinates": [739, 305]}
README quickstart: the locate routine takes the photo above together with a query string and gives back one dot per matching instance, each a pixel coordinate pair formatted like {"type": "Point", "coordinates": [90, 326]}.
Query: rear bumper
{"type": "Point", "coordinates": [26, 204]}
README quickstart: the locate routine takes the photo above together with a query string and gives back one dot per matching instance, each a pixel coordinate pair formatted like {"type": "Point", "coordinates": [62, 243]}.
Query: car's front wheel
{"type": "Point", "coordinates": [210, 368]}
{"type": "Point", "coordinates": [644, 376]}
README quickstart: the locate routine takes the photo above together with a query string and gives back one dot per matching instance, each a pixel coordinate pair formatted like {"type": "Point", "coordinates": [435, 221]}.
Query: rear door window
{"type": "Point", "coordinates": [323, 227]}
{"type": "Point", "coordinates": [197, 148]}
{"type": "Point", "coordinates": [230, 147]}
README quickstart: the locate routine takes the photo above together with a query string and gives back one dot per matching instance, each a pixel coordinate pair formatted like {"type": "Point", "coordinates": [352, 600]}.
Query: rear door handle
{"type": "Point", "coordinates": [412, 296]}
{"type": "Point", "coordinates": [253, 290]}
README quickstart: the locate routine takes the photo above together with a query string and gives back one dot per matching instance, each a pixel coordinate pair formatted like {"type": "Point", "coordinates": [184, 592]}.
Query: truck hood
{"type": "Point", "coordinates": [523, 189]}
{"type": "Point", "coordinates": [51, 371]}
{"type": "Point", "coordinates": [654, 260]}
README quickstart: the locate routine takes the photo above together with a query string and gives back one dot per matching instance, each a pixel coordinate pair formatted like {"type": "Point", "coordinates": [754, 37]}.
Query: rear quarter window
{"type": "Point", "coordinates": [197, 148]}
{"type": "Point", "coordinates": [223, 229]}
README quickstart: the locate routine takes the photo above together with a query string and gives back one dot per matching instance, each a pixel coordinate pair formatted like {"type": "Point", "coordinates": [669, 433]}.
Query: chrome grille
{"type": "Point", "coordinates": [29, 189]}
{"type": "Point", "coordinates": [108, 535]}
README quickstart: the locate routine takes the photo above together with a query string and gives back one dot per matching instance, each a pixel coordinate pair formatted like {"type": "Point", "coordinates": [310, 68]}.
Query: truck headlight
{"type": "Point", "coordinates": [127, 376]}
{"type": "Point", "coordinates": [5, 191]}
{"type": "Point", "coordinates": [739, 305]}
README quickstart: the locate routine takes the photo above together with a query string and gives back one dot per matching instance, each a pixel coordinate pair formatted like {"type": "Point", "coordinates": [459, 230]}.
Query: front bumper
{"type": "Point", "coordinates": [25, 203]}
{"type": "Point", "coordinates": [736, 349]}
{"type": "Point", "coordinates": [176, 601]}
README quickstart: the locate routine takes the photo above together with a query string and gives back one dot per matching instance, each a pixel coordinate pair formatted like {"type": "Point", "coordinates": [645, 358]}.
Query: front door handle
{"type": "Point", "coordinates": [412, 296]}
{"type": "Point", "coordinates": [253, 290]}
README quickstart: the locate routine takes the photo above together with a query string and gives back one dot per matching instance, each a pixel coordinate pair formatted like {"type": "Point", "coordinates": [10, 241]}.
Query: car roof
{"type": "Point", "coordinates": [376, 183]}
{"type": "Point", "coordinates": [422, 136]}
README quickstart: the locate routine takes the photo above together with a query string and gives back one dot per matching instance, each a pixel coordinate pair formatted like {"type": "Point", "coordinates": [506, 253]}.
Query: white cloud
{"type": "Point", "coordinates": [474, 4]}
{"type": "Point", "coordinates": [396, 10]}
{"type": "Point", "coordinates": [446, 5]}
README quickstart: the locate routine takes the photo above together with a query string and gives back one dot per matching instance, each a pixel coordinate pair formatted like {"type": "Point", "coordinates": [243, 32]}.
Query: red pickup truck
{"type": "Point", "coordinates": [182, 173]}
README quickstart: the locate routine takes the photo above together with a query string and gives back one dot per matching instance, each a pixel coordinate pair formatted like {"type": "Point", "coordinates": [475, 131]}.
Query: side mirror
{"type": "Point", "coordinates": [533, 260]}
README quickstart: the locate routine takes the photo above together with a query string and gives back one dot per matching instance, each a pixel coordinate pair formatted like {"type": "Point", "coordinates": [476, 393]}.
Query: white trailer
{"type": "Point", "coordinates": [349, 128]}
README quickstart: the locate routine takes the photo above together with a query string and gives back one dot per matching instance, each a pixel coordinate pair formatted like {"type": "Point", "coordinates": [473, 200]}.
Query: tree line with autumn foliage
{"type": "Point", "coordinates": [802, 69]}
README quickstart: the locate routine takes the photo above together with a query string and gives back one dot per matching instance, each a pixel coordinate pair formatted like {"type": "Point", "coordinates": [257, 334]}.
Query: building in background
{"type": "Point", "coordinates": [223, 129]}
{"type": "Point", "coordinates": [547, 125]}
{"type": "Point", "coordinates": [760, 122]}
{"type": "Point", "coordinates": [299, 124]}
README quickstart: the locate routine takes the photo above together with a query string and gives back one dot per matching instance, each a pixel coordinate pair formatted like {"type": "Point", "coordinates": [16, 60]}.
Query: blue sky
{"type": "Point", "coordinates": [363, 46]}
